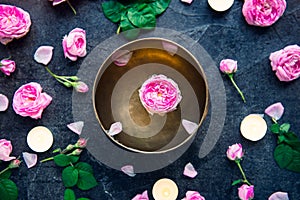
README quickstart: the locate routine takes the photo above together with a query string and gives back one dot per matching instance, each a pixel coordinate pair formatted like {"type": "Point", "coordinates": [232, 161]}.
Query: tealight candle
{"type": "Point", "coordinates": [40, 139]}
{"type": "Point", "coordinates": [253, 127]}
{"type": "Point", "coordinates": [165, 189]}
{"type": "Point", "coordinates": [220, 5]}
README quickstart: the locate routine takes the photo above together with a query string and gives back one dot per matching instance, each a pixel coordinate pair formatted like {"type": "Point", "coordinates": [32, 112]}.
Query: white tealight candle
{"type": "Point", "coordinates": [220, 5]}
{"type": "Point", "coordinates": [40, 139]}
{"type": "Point", "coordinates": [253, 127]}
{"type": "Point", "coordinates": [165, 189]}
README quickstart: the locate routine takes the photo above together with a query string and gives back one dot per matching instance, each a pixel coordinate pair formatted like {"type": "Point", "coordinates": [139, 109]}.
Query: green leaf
{"type": "Point", "coordinates": [8, 190]}
{"type": "Point", "coordinates": [275, 128]}
{"type": "Point", "coordinates": [295, 145]}
{"type": "Point", "coordinates": [284, 128]}
{"type": "Point", "coordinates": [236, 182]}
{"type": "Point", "coordinates": [86, 180]}
{"type": "Point", "coordinates": [159, 6]}
{"type": "Point", "coordinates": [70, 176]}
{"type": "Point", "coordinates": [6, 174]}
{"type": "Point", "coordinates": [142, 16]}
{"type": "Point", "coordinates": [63, 160]}
{"type": "Point", "coordinates": [290, 136]}
{"type": "Point", "coordinates": [69, 194]}
{"type": "Point", "coordinates": [283, 155]}
{"type": "Point", "coordinates": [82, 198]}
{"type": "Point", "coordinates": [130, 31]}
{"type": "Point", "coordinates": [295, 164]}
{"type": "Point", "coordinates": [113, 10]}
{"type": "Point", "coordinates": [84, 167]}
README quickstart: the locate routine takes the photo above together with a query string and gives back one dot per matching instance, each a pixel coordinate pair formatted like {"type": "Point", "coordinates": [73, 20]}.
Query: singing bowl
{"type": "Point", "coordinates": [116, 98]}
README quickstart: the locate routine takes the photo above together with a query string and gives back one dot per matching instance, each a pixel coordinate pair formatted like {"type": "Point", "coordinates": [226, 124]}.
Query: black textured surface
{"type": "Point", "coordinates": [223, 35]}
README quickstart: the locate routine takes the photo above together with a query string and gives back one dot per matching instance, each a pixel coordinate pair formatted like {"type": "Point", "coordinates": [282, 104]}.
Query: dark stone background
{"type": "Point", "coordinates": [223, 35]}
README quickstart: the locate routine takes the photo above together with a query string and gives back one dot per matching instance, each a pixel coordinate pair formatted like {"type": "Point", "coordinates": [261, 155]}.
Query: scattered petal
{"type": "Point", "coordinates": [279, 196]}
{"type": "Point", "coordinates": [190, 171]}
{"type": "Point", "coordinates": [43, 54]}
{"type": "Point", "coordinates": [275, 110]}
{"type": "Point", "coordinates": [128, 169]}
{"type": "Point", "coordinates": [76, 127]}
{"type": "Point", "coordinates": [121, 57]}
{"type": "Point", "coordinates": [187, 1]}
{"type": "Point", "coordinates": [115, 129]}
{"type": "Point", "coordinates": [189, 126]}
{"type": "Point", "coordinates": [143, 196]}
{"type": "Point", "coordinates": [168, 46]}
{"type": "Point", "coordinates": [30, 159]}
{"type": "Point", "coordinates": [3, 102]}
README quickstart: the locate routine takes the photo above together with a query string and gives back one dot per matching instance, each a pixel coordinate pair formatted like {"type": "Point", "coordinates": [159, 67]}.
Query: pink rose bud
{"type": "Point", "coordinates": [74, 44]}
{"type": "Point", "coordinates": [76, 152]}
{"type": "Point", "coordinates": [263, 12]}
{"type": "Point", "coordinates": [15, 23]}
{"type": "Point", "coordinates": [235, 152]}
{"type": "Point", "coordinates": [160, 94]}
{"type": "Point", "coordinates": [246, 192]}
{"type": "Point", "coordinates": [29, 100]}
{"type": "Point", "coordinates": [5, 150]}
{"type": "Point", "coordinates": [193, 195]}
{"type": "Point", "coordinates": [286, 63]}
{"type": "Point", "coordinates": [228, 66]}
{"type": "Point", "coordinates": [7, 66]}
{"type": "Point", "coordinates": [81, 143]}
{"type": "Point", "coordinates": [81, 87]}
{"type": "Point", "coordinates": [14, 164]}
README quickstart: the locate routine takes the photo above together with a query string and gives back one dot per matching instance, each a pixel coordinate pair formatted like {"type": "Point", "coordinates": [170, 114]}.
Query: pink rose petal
{"type": "Point", "coordinates": [3, 103]}
{"type": "Point", "coordinates": [128, 169]}
{"type": "Point", "coordinates": [76, 127]}
{"type": "Point", "coordinates": [43, 54]}
{"type": "Point", "coordinates": [169, 47]}
{"type": "Point", "coordinates": [121, 57]}
{"type": "Point", "coordinates": [115, 129]}
{"type": "Point", "coordinates": [279, 196]}
{"type": "Point", "coordinates": [275, 110]}
{"type": "Point", "coordinates": [143, 196]}
{"type": "Point", "coordinates": [189, 126]}
{"type": "Point", "coordinates": [30, 159]}
{"type": "Point", "coordinates": [190, 171]}
{"type": "Point", "coordinates": [187, 1]}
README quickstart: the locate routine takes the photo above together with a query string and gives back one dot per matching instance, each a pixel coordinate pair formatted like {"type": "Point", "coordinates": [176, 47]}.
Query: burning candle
{"type": "Point", "coordinates": [165, 189]}
{"type": "Point", "coordinates": [220, 5]}
{"type": "Point", "coordinates": [40, 139]}
{"type": "Point", "coordinates": [253, 127]}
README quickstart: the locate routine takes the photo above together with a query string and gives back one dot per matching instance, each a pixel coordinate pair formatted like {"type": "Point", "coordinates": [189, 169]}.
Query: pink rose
{"type": "Point", "coordinates": [246, 192]}
{"type": "Point", "coordinates": [5, 150]}
{"type": "Point", "coordinates": [193, 195]}
{"type": "Point", "coordinates": [235, 152]}
{"type": "Point", "coordinates": [30, 101]}
{"type": "Point", "coordinates": [160, 94]}
{"type": "Point", "coordinates": [14, 23]}
{"type": "Point", "coordinates": [228, 66]}
{"type": "Point", "coordinates": [286, 63]}
{"type": "Point", "coordinates": [74, 44]}
{"type": "Point", "coordinates": [81, 87]}
{"type": "Point", "coordinates": [263, 12]}
{"type": "Point", "coordinates": [7, 66]}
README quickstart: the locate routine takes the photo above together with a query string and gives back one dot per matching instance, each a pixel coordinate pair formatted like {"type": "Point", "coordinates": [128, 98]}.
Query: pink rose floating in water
{"type": "Point", "coordinates": [29, 100]}
{"type": "Point", "coordinates": [74, 44]}
{"type": "Point", "coordinates": [286, 63]}
{"type": "Point", "coordinates": [14, 23]}
{"type": "Point", "coordinates": [160, 94]}
{"type": "Point", "coordinates": [263, 12]}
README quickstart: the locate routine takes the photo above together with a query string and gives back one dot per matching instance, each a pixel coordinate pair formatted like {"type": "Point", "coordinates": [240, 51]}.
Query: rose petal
{"type": "Point", "coordinates": [275, 110]}
{"type": "Point", "coordinates": [189, 126]}
{"type": "Point", "coordinates": [187, 1]}
{"type": "Point", "coordinates": [43, 54]}
{"type": "Point", "coordinates": [143, 196]}
{"type": "Point", "coordinates": [169, 47]}
{"type": "Point", "coordinates": [115, 129]}
{"type": "Point", "coordinates": [121, 57]}
{"type": "Point", "coordinates": [128, 169]}
{"type": "Point", "coordinates": [3, 102]}
{"type": "Point", "coordinates": [76, 127]}
{"type": "Point", "coordinates": [279, 196]}
{"type": "Point", "coordinates": [190, 171]}
{"type": "Point", "coordinates": [30, 159]}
